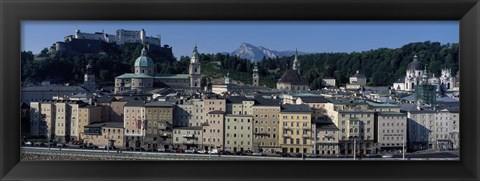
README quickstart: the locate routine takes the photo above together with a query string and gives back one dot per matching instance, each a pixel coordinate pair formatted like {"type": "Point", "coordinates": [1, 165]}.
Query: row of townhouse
{"type": "Point", "coordinates": [309, 124]}
{"type": "Point", "coordinates": [63, 121]}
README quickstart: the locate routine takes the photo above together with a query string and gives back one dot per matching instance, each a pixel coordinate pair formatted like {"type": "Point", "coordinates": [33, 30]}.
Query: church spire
{"type": "Point", "coordinates": [195, 56]}
{"type": "Point", "coordinates": [255, 74]}
{"type": "Point", "coordinates": [227, 78]}
{"type": "Point", "coordinates": [144, 51]}
{"type": "Point", "coordinates": [296, 63]}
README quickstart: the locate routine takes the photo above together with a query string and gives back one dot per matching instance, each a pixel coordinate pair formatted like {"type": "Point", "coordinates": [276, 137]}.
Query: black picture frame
{"type": "Point", "coordinates": [13, 12]}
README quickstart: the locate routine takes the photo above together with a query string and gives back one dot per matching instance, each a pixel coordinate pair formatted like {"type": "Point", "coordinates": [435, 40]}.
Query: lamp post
{"type": "Point", "coordinates": [209, 148]}
{"type": "Point", "coordinates": [48, 137]}
{"type": "Point", "coordinates": [108, 142]}
{"type": "Point", "coordinates": [354, 146]}
{"type": "Point", "coordinates": [303, 149]}
{"type": "Point", "coordinates": [403, 147]}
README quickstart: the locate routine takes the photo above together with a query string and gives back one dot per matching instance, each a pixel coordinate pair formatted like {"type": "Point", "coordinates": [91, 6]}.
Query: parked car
{"type": "Point", "coordinates": [311, 155]}
{"type": "Point", "coordinates": [162, 150]}
{"type": "Point", "coordinates": [38, 144]}
{"type": "Point", "coordinates": [372, 156]}
{"type": "Point", "coordinates": [387, 156]}
{"type": "Point", "coordinates": [299, 155]}
{"type": "Point", "coordinates": [102, 147]}
{"type": "Point", "coordinates": [203, 151]}
{"type": "Point", "coordinates": [89, 146]}
{"type": "Point", "coordinates": [60, 145]}
{"type": "Point", "coordinates": [248, 152]}
{"type": "Point", "coordinates": [285, 155]}
{"type": "Point", "coordinates": [152, 149]}
{"type": "Point", "coordinates": [213, 151]}
{"type": "Point", "coordinates": [225, 152]}
{"type": "Point", "coordinates": [179, 150]}
{"type": "Point", "coordinates": [191, 151]}
{"type": "Point", "coordinates": [258, 154]}
{"type": "Point", "coordinates": [28, 143]}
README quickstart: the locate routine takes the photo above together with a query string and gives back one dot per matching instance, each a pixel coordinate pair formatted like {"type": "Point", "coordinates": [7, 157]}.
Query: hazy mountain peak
{"type": "Point", "coordinates": [254, 53]}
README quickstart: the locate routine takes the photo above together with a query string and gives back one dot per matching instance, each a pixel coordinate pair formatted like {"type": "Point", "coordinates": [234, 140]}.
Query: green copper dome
{"type": "Point", "coordinates": [143, 60]}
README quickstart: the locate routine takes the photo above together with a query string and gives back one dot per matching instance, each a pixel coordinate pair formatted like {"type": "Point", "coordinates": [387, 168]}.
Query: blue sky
{"type": "Point", "coordinates": [226, 36]}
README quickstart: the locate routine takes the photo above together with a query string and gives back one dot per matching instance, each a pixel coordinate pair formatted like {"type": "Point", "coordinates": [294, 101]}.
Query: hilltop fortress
{"type": "Point", "coordinates": [82, 42]}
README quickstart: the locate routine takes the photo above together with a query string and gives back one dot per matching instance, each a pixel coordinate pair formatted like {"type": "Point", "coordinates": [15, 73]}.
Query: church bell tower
{"type": "Point", "coordinates": [194, 69]}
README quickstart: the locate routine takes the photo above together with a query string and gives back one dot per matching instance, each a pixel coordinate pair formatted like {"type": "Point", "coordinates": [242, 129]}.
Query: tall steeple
{"type": "Point", "coordinates": [144, 51]}
{"type": "Point", "coordinates": [255, 75]}
{"type": "Point", "coordinates": [425, 76]}
{"type": "Point", "coordinates": [89, 78]}
{"type": "Point", "coordinates": [227, 78]}
{"type": "Point", "coordinates": [296, 63]}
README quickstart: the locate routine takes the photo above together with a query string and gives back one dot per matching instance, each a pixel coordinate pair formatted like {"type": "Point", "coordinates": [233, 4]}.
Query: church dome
{"type": "Point", "coordinates": [143, 60]}
{"type": "Point", "coordinates": [415, 65]}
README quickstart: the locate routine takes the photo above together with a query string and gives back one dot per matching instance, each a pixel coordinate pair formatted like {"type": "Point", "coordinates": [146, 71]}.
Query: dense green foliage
{"type": "Point", "coordinates": [115, 61]}
{"type": "Point", "coordinates": [381, 66]}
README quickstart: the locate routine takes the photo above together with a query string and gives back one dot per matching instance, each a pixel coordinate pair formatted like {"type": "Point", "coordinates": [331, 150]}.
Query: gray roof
{"type": "Point", "coordinates": [158, 104]}
{"type": "Point", "coordinates": [400, 80]}
{"type": "Point", "coordinates": [130, 98]}
{"type": "Point", "coordinates": [359, 75]}
{"type": "Point", "coordinates": [88, 106]}
{"type": "Point", "coordinates": [295, 108]}
{"type": "Point", "coordinates": [314, 99]}
{"type": "Point", "coordinates": [54, 89]}
{"type": "Point", "coordinates": [83, 95]}
{"type": "Point", "coordinates": [260, 101]}
{"type": "Point", "coordinates": [291, 76]}
{"type": "Point", "coordinates": [106, 124]}
{"type": "Point", "coordinates": [327, 126]}
{"type": "Point", "coordinates": [135, 103]}
{"type": "Point", "coordinates": [236, 99]}
{"type": "Point", "coordinates": [104, 99]}
{"type": "Point", "coordinates": [413, 109]}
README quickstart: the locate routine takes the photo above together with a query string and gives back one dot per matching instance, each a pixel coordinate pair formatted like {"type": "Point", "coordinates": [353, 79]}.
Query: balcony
{"type": "Point", "coordinates": [286, 135]}
{"type": "Point", "coordinates": [306, 128]}
{"type": "Point", "coordinates": [188, 135]}
{"type": "Point", "coordinates": [286, 127]}
{"type": "Point", "coordinates": [329, 136]}
{"type": "Point", "coordinates": [261, 133]}
{"type": "Point", "coordinates": [306, 136]}
{"type": "Point", "coordinates": [164, 135]}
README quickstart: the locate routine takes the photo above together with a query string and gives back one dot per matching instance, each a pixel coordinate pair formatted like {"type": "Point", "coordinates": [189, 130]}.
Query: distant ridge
{"type": "Point", "coordinates": [254, 53]}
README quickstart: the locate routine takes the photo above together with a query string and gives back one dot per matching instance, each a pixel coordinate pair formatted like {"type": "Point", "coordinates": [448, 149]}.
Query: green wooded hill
{"type": "Point", "coordinates": [381, 66]}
